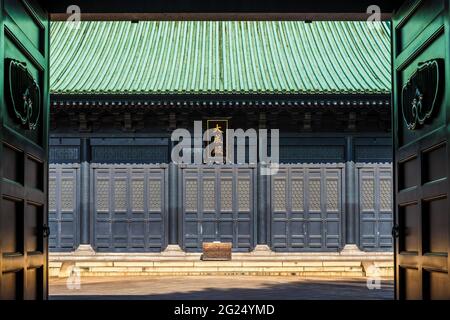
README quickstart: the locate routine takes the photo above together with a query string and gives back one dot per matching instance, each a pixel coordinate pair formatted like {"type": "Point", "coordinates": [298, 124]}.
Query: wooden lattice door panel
{"type": "Point", "coordinates": [63, 207]}
{"type": "Point", "coordinates": [130, 208]}
{"type": "Point", "coordinates": [218, 205]}
{"type": "Point", "coordinates": [375, 207]}
{"type": "Point", "coordinates": [421, 119]}
{"type": "Point", "coordinates": [288, 210]}
{"type": "Point", "coordinates": [24, 33]}
{"type": "Point", "coordinates": [306, 208]}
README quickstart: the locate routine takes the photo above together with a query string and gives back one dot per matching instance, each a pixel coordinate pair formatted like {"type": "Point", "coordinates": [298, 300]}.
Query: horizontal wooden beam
{"type": "Point", "coordinates": [331, 7]}
{"type": "Point", "coordinates": [236, 16]}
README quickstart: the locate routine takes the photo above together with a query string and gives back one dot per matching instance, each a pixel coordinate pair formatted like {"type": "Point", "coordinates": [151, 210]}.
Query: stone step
{"type": "Point", "coordinates": [262, 261]}
{"type": "Point", "coordinates": [352, 274]}
{"type": "Point", "coordinates": [163, 264]}
{"type": "Point", "coordinates": [378, 268]}
{"type": "Point", "coordinates": [217, 269]}
{"type": "Point", "coordinates": [236, 257]}
{"type": "Point", "coordinates": [296, 268]}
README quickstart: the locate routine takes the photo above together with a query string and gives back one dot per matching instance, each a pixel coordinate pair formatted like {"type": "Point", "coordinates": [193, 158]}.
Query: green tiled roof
{"type": "Point", "coordinates": [169, 57]}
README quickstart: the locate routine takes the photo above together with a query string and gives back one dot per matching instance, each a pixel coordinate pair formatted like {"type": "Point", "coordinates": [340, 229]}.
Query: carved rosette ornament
{"type": "Point", "coordinates": [23, 93]}
{"type": "Point", "coordinates": [422, 93]}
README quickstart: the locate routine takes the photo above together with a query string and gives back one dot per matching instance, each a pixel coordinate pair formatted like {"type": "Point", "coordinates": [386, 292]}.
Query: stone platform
{"type": "Point", "coordinates": [256, 263]}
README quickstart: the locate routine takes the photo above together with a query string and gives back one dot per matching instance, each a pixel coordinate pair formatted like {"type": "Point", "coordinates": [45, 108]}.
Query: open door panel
{"type": "Point", "coordinates": [421, 123]}
{"type": "Point", "coordinates": [24, 53]}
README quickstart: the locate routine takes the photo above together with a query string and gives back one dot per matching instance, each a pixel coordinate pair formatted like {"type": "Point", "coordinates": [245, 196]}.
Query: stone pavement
{"type": "Point", "coordinates": [220, 287]}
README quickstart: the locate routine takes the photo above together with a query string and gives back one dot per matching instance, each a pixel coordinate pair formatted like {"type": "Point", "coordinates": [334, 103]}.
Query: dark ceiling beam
{"type": "Point", "coordinates": [221, 9]}
{"type": "Point", "coordinates": [219, 16]}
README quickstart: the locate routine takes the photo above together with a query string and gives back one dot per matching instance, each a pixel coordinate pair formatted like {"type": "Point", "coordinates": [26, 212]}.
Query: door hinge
{"type": "Point", "coordinates": [395, 231]}
{"type": "Point", "coordinates": [45, 231]}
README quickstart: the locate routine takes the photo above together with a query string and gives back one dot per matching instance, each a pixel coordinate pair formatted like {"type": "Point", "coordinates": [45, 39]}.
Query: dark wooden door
{"type": "Point", "coordinates": [375, 206]}
{"type": "Point", "coordinates": [306, 207]}
{"type": "Point", "coordinates": [129, 207]}
{"type": "Point", "coordinates": [23, 150]}
{"type": "Point", "coordinates": [218, 205]}
{"type": "Point", "coordinates": [63, 207]}
{"type": "Point", "coordinates": [421, 130]}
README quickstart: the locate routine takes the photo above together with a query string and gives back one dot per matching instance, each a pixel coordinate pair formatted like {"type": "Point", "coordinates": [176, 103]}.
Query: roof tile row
{"type": "Point", "coordinates": [195, 57]}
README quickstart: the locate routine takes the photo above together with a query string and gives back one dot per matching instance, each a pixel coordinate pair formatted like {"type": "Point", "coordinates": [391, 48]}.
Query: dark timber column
{"type": "Point", "coordinates": [173, 238]}
{"type": "Point", "coordinates": [85, 192]}
{"type": "Point", "coordinates": [350, 201]}
{"type": "Point", "coordinates": [262, 207]}
{"type": "Point", "coordinates": [262, 199]}
{"type": "Point", "coordinates": [173, 200]}
{"type": "Point", "coordinates": [173, 195]}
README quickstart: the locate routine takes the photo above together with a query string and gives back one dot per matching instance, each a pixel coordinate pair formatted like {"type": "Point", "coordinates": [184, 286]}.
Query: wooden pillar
{"type": "Point", "coordinates": [173, 200]}
{"type": "Point", "coordinates": [350, 194]}
{"type": "Point", "coordinates": [262, 196]}
{"type": "Point", "coordinates": [85, 191]}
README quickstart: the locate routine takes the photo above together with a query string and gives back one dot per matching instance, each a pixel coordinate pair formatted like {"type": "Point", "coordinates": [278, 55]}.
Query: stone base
{"type": "Point", "coordinates": [84, 250]}
{"type": "Point", "coordinates": [262, 249]}
{"type": "Point", "coordinates": [351, 249]}
{"type": "Point", "coordinates": [173, 249]}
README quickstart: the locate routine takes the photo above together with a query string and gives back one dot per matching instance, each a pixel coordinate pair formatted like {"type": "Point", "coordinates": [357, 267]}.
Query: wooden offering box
{"type": "Point", "coordinates": [218, 251]}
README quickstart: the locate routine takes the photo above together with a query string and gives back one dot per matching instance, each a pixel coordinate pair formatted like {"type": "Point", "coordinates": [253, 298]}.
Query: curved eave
{"type": "Point", "coordinates": [224, 100]}
{"type": "Point", "coordinates": [230, 93]}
